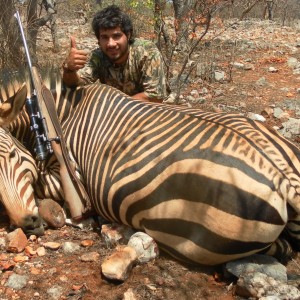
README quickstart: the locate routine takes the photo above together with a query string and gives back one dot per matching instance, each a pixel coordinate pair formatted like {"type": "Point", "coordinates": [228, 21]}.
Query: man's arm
{"type": "Point", "coordinates": [142, 96]}
{"type": "Point", "coordinates": [70, 78]}
{"type": "Point", "coordinates": [154, 81]}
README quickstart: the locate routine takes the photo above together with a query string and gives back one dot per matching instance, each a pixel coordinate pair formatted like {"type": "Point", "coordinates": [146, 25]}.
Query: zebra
{"type": "Point", "coordinates": [18, 172]}
{"type": "Point", "coordinates": [208, 187]}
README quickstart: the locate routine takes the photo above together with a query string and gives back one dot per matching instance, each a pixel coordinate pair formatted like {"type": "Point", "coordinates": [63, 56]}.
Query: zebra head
{"type": "Point", "coordinates": [18, 171]}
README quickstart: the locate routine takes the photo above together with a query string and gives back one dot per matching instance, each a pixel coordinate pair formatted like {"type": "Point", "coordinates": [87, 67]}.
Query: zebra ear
{"type": "Point", "coordinates": [11, 108]}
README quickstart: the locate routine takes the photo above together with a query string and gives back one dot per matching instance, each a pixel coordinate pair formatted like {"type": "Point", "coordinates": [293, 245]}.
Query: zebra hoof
{"type": "Point", "coordinates": [52, 213]}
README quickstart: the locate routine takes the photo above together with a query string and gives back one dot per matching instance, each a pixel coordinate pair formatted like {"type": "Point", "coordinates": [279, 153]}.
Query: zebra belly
{"type": "Point", "coordinates": [197, 213]}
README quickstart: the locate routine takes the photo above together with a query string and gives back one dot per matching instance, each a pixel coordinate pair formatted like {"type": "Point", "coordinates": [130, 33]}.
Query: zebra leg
{"type": "Point", "coordinates": [281, 249]}
{"type": "Point", "coordinates": [292, 232]}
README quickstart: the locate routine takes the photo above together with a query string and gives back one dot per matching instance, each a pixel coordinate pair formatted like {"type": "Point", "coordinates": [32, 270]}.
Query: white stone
{"type": "Point", "coordinates": [145, 246]}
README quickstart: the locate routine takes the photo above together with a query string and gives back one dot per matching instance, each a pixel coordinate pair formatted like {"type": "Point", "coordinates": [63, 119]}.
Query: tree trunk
{"type": "Point", "coordinates": [10, 38]}
{"type": "Point", "coordinates": [249, 8]}
{"type": "Point", "coordinates": [34, 23]}
{"type": "Point", "coordinates": [181, 12]}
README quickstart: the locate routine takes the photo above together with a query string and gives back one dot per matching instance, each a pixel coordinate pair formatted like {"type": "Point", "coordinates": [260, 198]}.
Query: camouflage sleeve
{"type": "Point", "coordinates": [154, 80]}
{"type": "Point", "coordinates": [89, 73]}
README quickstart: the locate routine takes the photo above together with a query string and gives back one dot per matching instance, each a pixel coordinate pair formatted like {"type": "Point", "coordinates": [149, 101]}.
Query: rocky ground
{"type": "Point", "coordinates": [263, 60]}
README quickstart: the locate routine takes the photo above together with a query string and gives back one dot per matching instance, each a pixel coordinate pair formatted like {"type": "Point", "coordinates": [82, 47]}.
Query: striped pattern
{"type": "Point", "coordinates": [17, 175]}
{"type": "Point", "coordinates": [209, 187]}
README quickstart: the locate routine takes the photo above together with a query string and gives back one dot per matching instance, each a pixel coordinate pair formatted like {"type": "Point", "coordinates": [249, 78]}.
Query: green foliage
{"type": "Point", "coordinates": [139, 4]}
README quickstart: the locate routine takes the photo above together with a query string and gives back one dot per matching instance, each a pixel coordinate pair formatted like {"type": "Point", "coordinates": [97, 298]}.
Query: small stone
{"type": "Point", "coordinates": [114, 234]}
{"type": "Point", "coordinates": [129, 295]}
{"type": "Point", "coordinates": [261, 81]}
{"type": "Point", "coordinates": [70, 247]}
{"type": "Point", "coordinates": [238, 65]}
{"type": "Point", "coordinates": [256, 117]}
{"type": "Point", "coordinates": [35, 271]}
{"type": "Point", "coordinates": [267, 112]}
{"type": "Point", "coordinates": [145, 246]}
{"type": "Point", "coordinates": [8, 265]}
{"type": "Point", "coordinates": [289, 95]}
{"type": "Point", "coordinates": [17, 241]}
{"type": "Point", "coordinates": [249, 67]}
{"type": "Point", "coordinates": [273, 70]}
{"type": "Point", "coordinates": [219, 75]}
{"type": "Point", "coordinates": [119, 264]}
{"type": "Point", "coordinates": [63, 278]}
{"type": "Point", "coordinates": [76, 287]}
{"type": "Point", "coordinates": [29, 251]}
{"type": "Point", "coordinates": [52, 245]}
{"type": "Point", "coordinates": [32, 238]}
{"type": "Point", "coordinates": [2, 242]}
{"type": "Point", "coordinates": [20, 258]}
{"type": "Point", "coordinates": [90, 256]}
{"type": "Point", "coordinates": [261, 286]}
{"type": "Point", "coordinates": [55, 292]}
{"type": "Point", "coordinates": [41, 251]}
{"type": "Point", "coordinates": [16, 281]}
{"type": "Point", "coordinates": [87, 243]}
{"type": "Point", "coordinates": [52, 213]}
{"type": "Point", "coordinates": [3, 256]}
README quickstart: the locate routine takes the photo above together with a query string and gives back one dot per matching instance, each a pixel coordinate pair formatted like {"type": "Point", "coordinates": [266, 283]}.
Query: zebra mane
{"type": "Point", "coordinates": [11, 80]}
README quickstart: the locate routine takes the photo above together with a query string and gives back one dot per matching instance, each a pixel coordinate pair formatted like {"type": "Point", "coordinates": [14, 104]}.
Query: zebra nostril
{"type": "Point", "coordinates": [34, 219]}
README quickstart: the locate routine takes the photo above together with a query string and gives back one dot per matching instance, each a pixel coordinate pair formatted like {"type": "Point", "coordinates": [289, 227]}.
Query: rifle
{"type": "Point", "coordinates": [37, 121]}
{"type": "Point", "coordinates": [49, 137]}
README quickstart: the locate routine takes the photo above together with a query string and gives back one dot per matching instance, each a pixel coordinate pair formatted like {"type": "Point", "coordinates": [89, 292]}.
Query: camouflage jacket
{"type": "Point", "coordinates": [142, 72]}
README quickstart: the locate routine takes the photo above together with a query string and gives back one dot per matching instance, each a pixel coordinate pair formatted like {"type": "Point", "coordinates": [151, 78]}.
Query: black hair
{"type": "Point", "coordinates": [112, 17]}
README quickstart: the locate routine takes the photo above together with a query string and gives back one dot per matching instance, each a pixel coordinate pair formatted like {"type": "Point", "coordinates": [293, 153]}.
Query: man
{"type": "Point", "coordinates": [133, 66]}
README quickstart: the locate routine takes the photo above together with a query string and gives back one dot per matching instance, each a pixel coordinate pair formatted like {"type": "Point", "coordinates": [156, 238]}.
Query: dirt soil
{"type": "Point", "coordinates": [162, 278]}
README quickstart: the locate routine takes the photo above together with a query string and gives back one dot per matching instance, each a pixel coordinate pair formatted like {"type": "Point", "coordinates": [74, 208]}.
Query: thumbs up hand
{"type": "Point", "coordinates": [77, 58]}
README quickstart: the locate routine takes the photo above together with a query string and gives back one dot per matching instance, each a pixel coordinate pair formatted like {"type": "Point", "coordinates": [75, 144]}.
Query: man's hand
{"type": "Point", "coordinates": [77, 58]}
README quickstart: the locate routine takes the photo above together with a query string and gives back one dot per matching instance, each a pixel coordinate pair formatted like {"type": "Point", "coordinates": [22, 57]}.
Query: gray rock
{"type": "Point", "coordinates": [145, 246]}
{"type": "Point", "coordinates": [261, 81]}
{"type": "Point", "coordinates": [258, 263]}
{"type": "Point", "coordinates": [219, 75]}
{"type": "Point", "coordinates": [16, 281]}
{"type": "Point", "coordinates": [277, 112]}
{"type": "Point", "coordinates": [55, 292]}
{"type": "Point", "coordinates": [238, 65]}
{"type": "Point", "coordinates": [248, 67]}
{"type": "Point", "coordinates": [70, 247]}
{"type": "Point", "coordinates": [290, 127]}
{"type": "Point", "coordinates": [292, 62]}
{"type": "Point", "coordinates": [260, 286]}
{"type": "Point", "coordinates": [204, 91]}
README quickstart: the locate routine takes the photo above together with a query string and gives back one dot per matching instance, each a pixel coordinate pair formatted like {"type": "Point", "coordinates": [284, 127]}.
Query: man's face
{"type": "Point", "coordinates": [114, 43]}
